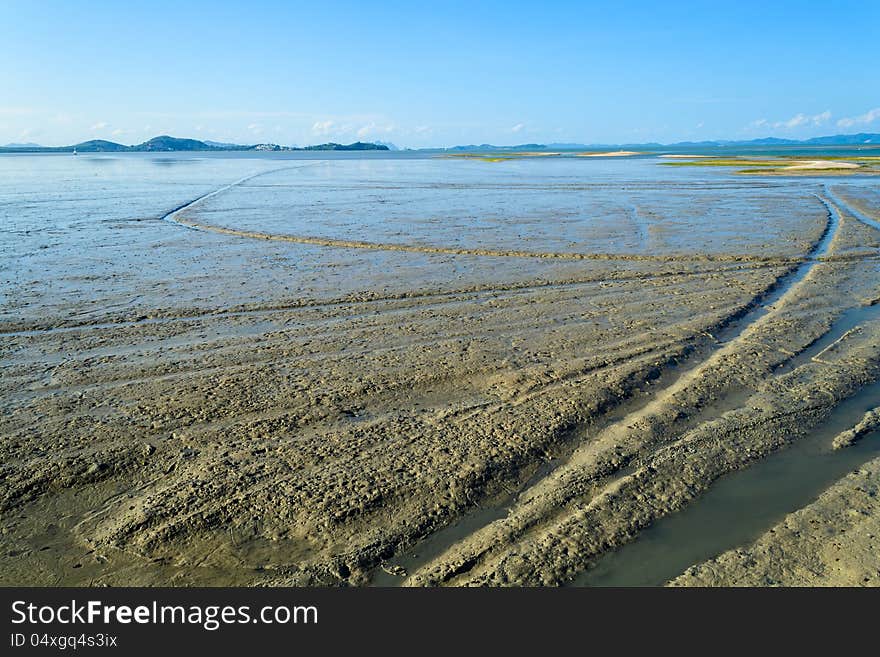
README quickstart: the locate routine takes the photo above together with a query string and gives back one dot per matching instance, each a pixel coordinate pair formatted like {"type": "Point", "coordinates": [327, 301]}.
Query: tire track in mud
{"type": "Point", "coordinates": [363, 299]}
{"type": "Point", "coordinates": [176, 216]}
{"type": "Point", "coordinates": [173, 217]}
{"type": "Point", "coordinates": [491, 253]}
{"type": "Point", "coordinates": [801, 266]}
{"type": "Point", "coordinates": [169, 216]}
{"type": "Point", "coordinates": [781, 483]}
{"type": "Point", "coordinates": [160, 316]}
{"type": "Point", "coordinates": [735, 326]}
{"type": "Point", "coordinates": [540, 474]}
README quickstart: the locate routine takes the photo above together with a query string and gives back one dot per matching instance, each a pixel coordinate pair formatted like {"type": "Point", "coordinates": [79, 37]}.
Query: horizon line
{"type": "Point", "coordinates": [573, 144]}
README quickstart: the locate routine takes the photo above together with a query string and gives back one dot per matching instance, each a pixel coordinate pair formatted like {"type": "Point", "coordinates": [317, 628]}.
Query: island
{"type": "Point", "coordinates": [164, 143]}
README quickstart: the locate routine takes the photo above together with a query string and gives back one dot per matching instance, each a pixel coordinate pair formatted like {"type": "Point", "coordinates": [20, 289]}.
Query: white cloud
{"type": "Point", "coordinates": [864, 119]}
{"type": "Point", "coordinates": [422, 129]}
{"type": "Point", "coordinates": [323, 127]}
{"type": "Point", "coordinates": [801, 119]}
{"type": "Point", "coordinates": [350, 127]}
{"type": "Point", "coordinates": [518, 127]}
{"type": "Point", "coordinates": [118, 132]}
{"type": "Point", "coordinates": [794, 122]}
{"type": "Point", "coordinates": [100, 126]}
{"type": "Point", "coordinates": [373, 129]}
{"type": "Point", "coordinates": [255, 128]}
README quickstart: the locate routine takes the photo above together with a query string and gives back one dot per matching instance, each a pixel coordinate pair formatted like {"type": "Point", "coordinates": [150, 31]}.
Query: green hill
{"type": "Point", "coordinates": [357, 146]}
{"type": "Point", "coordinates": [98, 146]}
{"type": "Point", "coordinates": [166, 143]}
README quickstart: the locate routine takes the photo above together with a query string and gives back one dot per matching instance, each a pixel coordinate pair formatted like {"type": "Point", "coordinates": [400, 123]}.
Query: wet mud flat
{"type": "Point", "coordinates": [334, 374]}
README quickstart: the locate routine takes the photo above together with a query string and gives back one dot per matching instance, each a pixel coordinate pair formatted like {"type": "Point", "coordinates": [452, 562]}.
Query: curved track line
{"type": "Point", "coordinates": [858, 214]}
{"type": "Point", "coordinates": [175, 216]}
{"type": "Point", "coordinates": [170, 216]}
{"type": "Point", "coordinates": [495, 253]}
{"type": "Point", "coordinates": [355, 299]}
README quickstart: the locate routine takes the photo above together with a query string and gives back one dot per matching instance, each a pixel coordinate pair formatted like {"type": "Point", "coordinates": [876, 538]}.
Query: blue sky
{"type": "Point", "coordinates": [432, 74]}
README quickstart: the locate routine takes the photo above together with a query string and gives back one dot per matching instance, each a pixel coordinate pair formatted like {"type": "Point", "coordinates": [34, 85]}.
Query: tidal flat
{"type": "Point", "coordinates": [409, 370]}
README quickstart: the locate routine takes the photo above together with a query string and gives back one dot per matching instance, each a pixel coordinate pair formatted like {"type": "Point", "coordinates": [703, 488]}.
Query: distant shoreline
{"type": "Point", "coordinates": [167, 144]}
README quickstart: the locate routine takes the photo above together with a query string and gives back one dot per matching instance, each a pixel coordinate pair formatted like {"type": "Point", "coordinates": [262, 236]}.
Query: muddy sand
{"type": "Point", "coordinates": [820, 164]}
{"type": "Point", "coordinates": [415, 402]}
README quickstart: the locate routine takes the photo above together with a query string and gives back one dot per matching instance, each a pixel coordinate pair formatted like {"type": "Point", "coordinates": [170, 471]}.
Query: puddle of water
{"type": "Point", "coordinates": [742, 505]}
{"type": "Point", "coordinates": [849, 320]}
{"type": "Point", "coordinates": [435, 545]}
{"type": "Point", "coordinates": [440, 541]}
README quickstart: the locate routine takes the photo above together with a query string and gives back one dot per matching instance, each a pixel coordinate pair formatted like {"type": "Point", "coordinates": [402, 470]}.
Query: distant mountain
{"type": "Point", "coordinates": [97, 146]}
{"type": "Point", "coordinates": [29, 144]}
{"type": "Point", "coordinates": [492, 147]}
{"type": "Point", "coordinates": [165, 143]}
{"type": "Point", "coordinates": [357, 146]}
{"type": "Point", "coordinates": [768, 141]}
{"type": "Point", "coordinates": [224, 145]}
{"type": "Point", "coordinates": [846, 140]}
{"type": "Point", "coordinates": [831, 140]}
{"type": "Point", "coordinates": [566, 146]}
